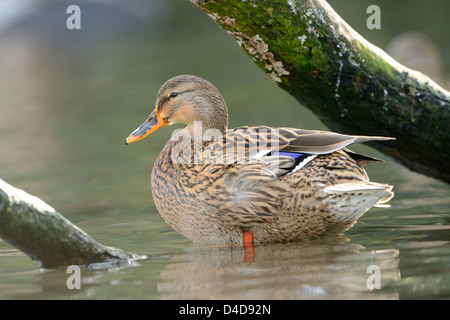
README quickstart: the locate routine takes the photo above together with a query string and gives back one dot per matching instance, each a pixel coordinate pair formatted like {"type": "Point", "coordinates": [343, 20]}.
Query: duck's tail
{"type": "Point", "coordinates": [349, 201]}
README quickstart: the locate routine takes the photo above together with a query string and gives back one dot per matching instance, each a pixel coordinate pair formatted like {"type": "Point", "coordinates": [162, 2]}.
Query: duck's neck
{"type": "Point", "coordinates": [203, 128]}
{"type": "Point", "coordinates": [209, 123]}
{"type": "Point", "coordinates": [211, 116]}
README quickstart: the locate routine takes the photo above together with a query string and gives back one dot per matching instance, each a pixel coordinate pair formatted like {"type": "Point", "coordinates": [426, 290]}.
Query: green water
{"type": "Point", "coordinates": [68, 101]}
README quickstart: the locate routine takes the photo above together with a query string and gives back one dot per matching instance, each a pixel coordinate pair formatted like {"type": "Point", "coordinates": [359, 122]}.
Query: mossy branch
{"type": "Point", "coordinates": [51, 240]}
{"type": "Point", "coordinates": [350, 84]}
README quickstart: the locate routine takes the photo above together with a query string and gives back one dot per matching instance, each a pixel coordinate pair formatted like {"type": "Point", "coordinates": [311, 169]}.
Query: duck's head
{"type": "Point", "coordinates": [185, 99]}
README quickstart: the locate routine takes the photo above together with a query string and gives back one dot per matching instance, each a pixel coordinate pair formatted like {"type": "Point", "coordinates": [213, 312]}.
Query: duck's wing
{"type": "Point", "coordinates": [278, 150]}
{"type": "Point", "coordinates": [322, 142]}
{"type": "Point", "coordinates": [249, 161]}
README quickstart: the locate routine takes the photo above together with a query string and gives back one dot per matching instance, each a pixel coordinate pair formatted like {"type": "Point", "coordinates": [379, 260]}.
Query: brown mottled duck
{"type": "Point", "coordinates": [255, 183]}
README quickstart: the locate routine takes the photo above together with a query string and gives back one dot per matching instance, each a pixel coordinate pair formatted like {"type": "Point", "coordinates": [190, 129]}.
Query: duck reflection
{"type": "Point", "coordinates": [331, 268]}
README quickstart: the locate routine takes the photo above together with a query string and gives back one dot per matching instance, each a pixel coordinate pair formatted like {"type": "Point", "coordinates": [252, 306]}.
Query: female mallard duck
{"type": "Point", "coordinates": [260, 184]}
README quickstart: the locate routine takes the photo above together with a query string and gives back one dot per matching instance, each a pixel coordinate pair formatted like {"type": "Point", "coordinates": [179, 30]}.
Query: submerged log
{"type": "Point", "coordinates": [351, 85]}
{"type": "Point", "coordinates": [48, 238]}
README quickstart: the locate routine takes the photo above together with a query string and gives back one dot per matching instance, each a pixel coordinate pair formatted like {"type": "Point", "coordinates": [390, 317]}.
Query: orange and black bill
{"type": "Point", "coordinates": [153, 123]}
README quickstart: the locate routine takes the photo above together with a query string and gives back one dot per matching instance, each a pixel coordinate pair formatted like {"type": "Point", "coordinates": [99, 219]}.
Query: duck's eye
{"type": "Point", "coordinates": [173, 94]}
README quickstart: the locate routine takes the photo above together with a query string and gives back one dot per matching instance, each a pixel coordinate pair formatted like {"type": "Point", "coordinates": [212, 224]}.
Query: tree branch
{"type": "Point", "coordinates": [48, 238]}
{"type": "Point", "coordinates": [350, 84]}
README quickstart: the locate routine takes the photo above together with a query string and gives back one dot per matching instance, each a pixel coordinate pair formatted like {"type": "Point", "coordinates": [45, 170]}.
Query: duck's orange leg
{"type": "Point", "coordinates": [247, 238]}
{"type": "Point", "coordinates": [247, 241]}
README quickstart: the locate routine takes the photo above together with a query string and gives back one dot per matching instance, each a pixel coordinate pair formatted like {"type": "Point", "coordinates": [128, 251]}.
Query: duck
{"type": "Point", "coordinates": [252, 184]}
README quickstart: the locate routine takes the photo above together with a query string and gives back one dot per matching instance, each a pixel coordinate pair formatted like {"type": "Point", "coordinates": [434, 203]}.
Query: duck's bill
{"type": "Point", "coordinates": [153, 123]}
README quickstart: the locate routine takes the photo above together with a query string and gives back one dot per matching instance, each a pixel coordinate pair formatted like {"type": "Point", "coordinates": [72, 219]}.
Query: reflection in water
{"type": "Point", "coordinates": [94, 282]}
{"type": "Point", "coordinates": [317, 269]}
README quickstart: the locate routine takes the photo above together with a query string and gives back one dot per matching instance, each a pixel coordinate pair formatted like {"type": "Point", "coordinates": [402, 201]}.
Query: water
{"type": "Point", "coordinates": [68, 102]}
